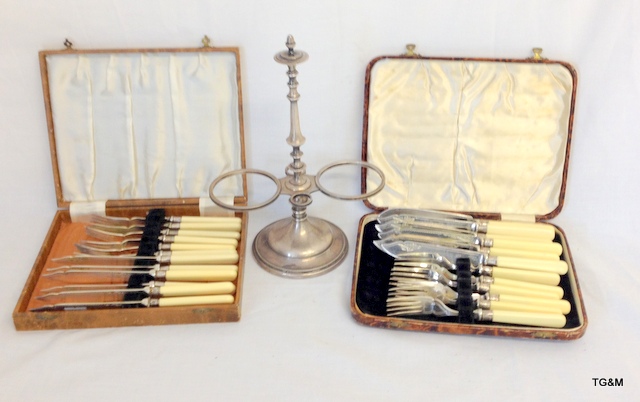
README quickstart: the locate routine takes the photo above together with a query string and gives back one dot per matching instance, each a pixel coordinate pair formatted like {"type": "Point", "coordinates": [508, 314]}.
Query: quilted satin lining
{"type": "Point", "coordinates": [469, 135]}
{"type": "Point", "coordinates": [145, 125]}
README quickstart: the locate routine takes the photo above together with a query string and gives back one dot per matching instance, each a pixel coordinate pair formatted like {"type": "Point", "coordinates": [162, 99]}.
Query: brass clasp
{"type": "Point", "coordinates": [537, 54]}
{"type": "Point", "coordinates": [411, 50]}
{"type": "Point", "coordinates": [68, 45]}
{"type": "Point", "coordinates": [206, 42]}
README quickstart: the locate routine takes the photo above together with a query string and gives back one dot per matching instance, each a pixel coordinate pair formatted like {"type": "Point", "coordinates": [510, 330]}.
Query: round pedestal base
{"type": "Point", "coordinates": [300, 249]}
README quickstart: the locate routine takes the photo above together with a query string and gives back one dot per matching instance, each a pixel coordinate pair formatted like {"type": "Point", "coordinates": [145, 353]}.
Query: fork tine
{"type": "Point", "coordinates": [128, 229]}
{"type": "Point", "coordinates": [85, 249]}
{"type": "Point", "coordinates": [118, 221]}
{"type": "Point", "coordinates": [100, 234]}
{"type": "Point", "coordinates": [112, 244]}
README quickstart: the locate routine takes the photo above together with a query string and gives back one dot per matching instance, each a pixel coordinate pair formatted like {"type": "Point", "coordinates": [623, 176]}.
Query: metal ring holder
{"type": "Point", "coordinates": [299, 246]}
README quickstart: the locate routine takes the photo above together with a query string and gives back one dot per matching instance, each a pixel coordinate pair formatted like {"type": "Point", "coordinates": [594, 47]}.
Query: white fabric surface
{"type": "Point", "coordinates": [469, 136]}
{"type": "Point", "coordinates": [296, 340]}
{"type": "Point", "coordinates": [145, 125]}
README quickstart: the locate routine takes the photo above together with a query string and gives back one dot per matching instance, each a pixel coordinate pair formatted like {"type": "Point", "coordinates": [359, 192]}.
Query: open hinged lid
{"type": "Point", "coordinates": [135, 127]}
{"type": "Point", "coordinates": [489, 137]}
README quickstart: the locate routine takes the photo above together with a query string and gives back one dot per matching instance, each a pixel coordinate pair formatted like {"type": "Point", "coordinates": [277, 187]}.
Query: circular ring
{"type": "Point", "coordinates": [246, 207]}
{"type": "Point", "coordinates": [350, 197]}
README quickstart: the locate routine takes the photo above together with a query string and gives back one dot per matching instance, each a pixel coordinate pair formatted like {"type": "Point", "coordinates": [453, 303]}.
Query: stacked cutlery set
{"type": "Point", "coordinates": [152, 261]}
{"type": "Point", "coordinates": [489, 139]}
{"type": "Point", "coordinates": [126, 147]}
{"type": "Point", "coordinates": [453, 265]}
{"type": "Point", "coordinates": [428, 270]}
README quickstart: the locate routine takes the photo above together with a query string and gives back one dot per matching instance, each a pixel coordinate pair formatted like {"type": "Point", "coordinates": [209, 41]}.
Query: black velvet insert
{"type": "Point", "coordinates": [373, 275]}
{"type": "Point", "coordinates": [149, 245]}
{"type": "Point", "coordinates": [465, 304]}
{"type": "Point", "coordinates": [373, 284]}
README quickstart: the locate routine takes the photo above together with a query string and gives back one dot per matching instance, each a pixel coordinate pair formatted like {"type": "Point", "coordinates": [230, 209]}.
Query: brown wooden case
{"type": "Point", "coordinates": [372, 266]}
{"type": "Point", "coordinates": [64, 233]}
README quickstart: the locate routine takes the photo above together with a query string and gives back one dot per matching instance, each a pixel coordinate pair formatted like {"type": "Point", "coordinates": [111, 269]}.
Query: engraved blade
{"type": "Point", "coordinates": [410, 249]}
{"type": "Point", "coordinates": [428, 222]}
{"type": "Point", "coordinates": [422, 214]}
{"type": "Point", "coordinates": [453, 242]}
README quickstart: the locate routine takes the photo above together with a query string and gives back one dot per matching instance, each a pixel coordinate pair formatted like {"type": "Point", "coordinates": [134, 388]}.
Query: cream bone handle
{"type": "Point", "coordinates": [558, 267]}
{"type": "Point", "coordinates": [561, 305]}
{"type": "Point", "coordinates": [509, 283]}
{"type": "Point", "coordinates": [498, 289]}
{"type": "Point", "coordinates": [438, 234]}
{"type": "Point", "coordinates": [202, 257]}
{"type": "Point", "coordinates": [521, 230]}
{"type": "Point", "coordinates": [199, 246]}
{"type": "Point", "coordinates": [525, 318]}
{"type": "Point", "coordinates": [409, 249]}
{"type": "Point", "coordinates": [214, 234]}
{"type": "Point", "coordinates": [195, 289]}
{"type": "Point", "coordinates": [187, 238]}
{"type": "Point", "coordinates": [218, 267]}
{"type": "Point", "coordinates": [535, 255]}
{"type": "Point", "coordinates": [205, 219]}
{"type": "Point", "coordinates": [208, 226]}
{"type": "Point", "coordinates": [505, 242]}
{"type": "Point", "coordinates": [517, 306]}
{"type": "Point", "coordinates": [197, 275]}
{"type": "Point", "coordinates": [195, 300]}
{"type": "Point", "coordinates": [544, 278]}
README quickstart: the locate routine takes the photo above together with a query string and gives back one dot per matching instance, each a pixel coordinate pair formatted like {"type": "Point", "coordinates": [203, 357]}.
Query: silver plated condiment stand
{"type": "Point", "coordinates": [299, 246]}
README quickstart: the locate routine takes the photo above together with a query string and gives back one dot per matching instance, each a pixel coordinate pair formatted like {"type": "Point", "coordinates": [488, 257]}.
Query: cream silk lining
{"type": "Point", "coordinates": [469, 136]}
{"type": "Point", "coordinates": [145, 125]}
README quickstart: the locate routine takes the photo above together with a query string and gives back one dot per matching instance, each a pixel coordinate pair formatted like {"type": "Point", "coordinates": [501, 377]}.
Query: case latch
{"type": "Point", "coordinates": [411, 50]}
{"type": "Point", "coordinates": [68, 45]}
{"type": "Point", "coordinates": [537, 54]}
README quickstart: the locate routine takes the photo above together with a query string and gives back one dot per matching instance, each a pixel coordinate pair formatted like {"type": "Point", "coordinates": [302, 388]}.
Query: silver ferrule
{"type": "Point", "coordinates": [172, 225]}
{"type": "Point", "coordinates": [482, 288]}
{"type": "Point", "coordinates": [484, 270]}
{"type": "Point", "coordinates": [163, 257]}
{"type": "Point", "coordinates": [490, 296]}
{"type": "Point", "coordinates": [486, 242]}
{"type": "Point", "coordinates": [166, 238]}
{"type": "Point", "coordinates": [481, 226]}
{"type": "Point", "coordinates": [484, 279]}
{"type": "Point", "coordinates": [484, 304]}
{"type": "Point", "coordinates": [169, 232]}
{"type": "Point", "coordinates": [161, 274]}
{"type": "Point", "coordinates": [483, 315]}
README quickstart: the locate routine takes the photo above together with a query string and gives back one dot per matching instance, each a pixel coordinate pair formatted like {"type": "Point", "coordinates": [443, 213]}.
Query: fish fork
{"type": "Point", "coordinates": [545, 278]}
{"type": "Point", "coordinates": [417, 287]}
{"type": "Point", "coordinates": [115, 248]}
{"type": "Point", "coordinates": [426, 305]}
{"type": "Point", "coordinates": [172, 222]}
{"type": "Point", "coordinates": [167, 236]}
{"type": "Point", "coordinates": [125, 232]}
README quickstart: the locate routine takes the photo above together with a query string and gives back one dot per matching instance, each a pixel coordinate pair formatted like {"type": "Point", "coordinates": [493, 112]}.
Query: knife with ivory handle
{"type": "Point", "coordinates": [522, 230]}
{"type": "Point", "coordinates": [146, 302]}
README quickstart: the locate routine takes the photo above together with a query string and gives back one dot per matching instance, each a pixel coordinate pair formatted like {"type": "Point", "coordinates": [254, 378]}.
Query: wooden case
{"type": "Point", "coordinates": [195, 88]}
{"type": "Point", "coordinates": [445, 93]}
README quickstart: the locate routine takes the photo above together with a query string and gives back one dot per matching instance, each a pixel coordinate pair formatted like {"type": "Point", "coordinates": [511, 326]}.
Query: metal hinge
{"type": "Point", "coordinates": [68, 45]}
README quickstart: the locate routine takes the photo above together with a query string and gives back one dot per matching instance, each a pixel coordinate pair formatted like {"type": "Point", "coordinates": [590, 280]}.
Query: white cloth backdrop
{"type": "Point", "coordinates": [296, 339]}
